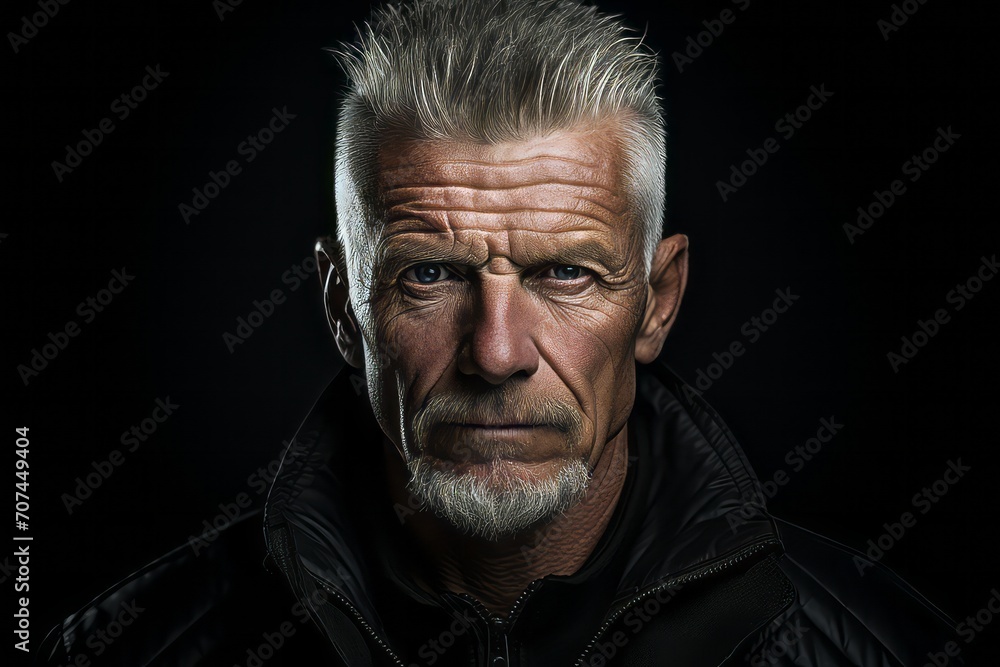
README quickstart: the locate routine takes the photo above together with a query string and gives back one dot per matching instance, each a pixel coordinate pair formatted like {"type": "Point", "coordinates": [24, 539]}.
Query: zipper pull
{"type": "Point", "coordinates": [499, 649]}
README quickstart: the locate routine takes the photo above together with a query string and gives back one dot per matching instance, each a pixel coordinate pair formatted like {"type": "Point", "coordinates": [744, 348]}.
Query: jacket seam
{"type": "Point", "coordinates": [846, 610]}
{"type": "Point", "coordinates": [849, 551]}
{"type": "Point", "coordinates": [715, 420]}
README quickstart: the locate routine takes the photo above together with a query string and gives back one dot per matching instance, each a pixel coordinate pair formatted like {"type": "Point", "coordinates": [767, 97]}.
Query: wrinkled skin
{"type": "Point", "coordinates": [512, 268]}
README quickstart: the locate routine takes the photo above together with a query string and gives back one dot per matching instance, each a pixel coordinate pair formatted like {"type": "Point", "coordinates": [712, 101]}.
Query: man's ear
{"type": "Point", "coordinates": [667, 280]}
{"type": "Point", "coordinates": [336, 298]}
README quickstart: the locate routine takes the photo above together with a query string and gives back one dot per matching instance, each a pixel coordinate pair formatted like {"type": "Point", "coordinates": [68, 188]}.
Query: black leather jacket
{"type": "Point", "coordinates": [684, 574]}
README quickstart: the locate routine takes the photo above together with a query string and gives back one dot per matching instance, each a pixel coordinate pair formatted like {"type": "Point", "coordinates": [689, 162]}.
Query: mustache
{"type": "Point", "coordinates": [506, 405]}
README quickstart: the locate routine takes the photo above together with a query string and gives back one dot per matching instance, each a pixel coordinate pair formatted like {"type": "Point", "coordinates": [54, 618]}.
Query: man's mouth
{"type": "Point", "coordinates": [503, 426]}
{"type": "Point", "coordinates": [479, 442]}
{"type": "Point", "coordinates": [495, 427]}
{"type": "Point", "coordinates": [500, 432]}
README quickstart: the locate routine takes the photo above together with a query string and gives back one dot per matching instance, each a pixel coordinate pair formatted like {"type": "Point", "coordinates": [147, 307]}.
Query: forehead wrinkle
{"type": "Point", "coordinates": [582, 206]}
{"type": "Point", "coordinates": [416, 210]}
{"type": "Point", "coordinates": [588, 191]}
{"type": "Point", "coordinates": [616, 211]}
{"type": "Point", "coordinates": [541, 221]}
{"type": "Point", "coordinates": [425, 183]}
{"type": "Point", "coordinates": [494, 174]}
{"type": "Point", "coordinates": [409, 162]}
{"type": "Point", "coordinates": [524, 160]}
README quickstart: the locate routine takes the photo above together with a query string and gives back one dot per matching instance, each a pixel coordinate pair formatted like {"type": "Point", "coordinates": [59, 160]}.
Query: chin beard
{"type": "Point", "coordinates": [500, 503]}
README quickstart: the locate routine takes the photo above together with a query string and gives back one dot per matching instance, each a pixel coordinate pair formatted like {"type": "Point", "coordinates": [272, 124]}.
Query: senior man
{"type": "Point", "coordinates": [503, 475]}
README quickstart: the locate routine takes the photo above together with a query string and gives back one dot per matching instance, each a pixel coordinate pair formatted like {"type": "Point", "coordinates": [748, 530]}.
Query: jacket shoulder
{"type": "Point", "coordinates": [849, 610]}
{"type": "Point", "coordinates": [207, 602]}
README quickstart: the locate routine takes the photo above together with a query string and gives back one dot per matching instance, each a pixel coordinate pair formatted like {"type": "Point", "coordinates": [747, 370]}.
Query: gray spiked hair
{"type": "Point", "coordinates": [490, 71]}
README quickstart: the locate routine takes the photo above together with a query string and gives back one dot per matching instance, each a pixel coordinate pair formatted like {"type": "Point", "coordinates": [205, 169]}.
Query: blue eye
{"type": "Point", "coordinates": [565, 272]}
{"type": "Point", "coordinates": [427, 273]}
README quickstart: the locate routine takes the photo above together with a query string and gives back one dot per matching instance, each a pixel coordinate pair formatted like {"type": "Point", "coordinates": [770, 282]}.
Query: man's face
{"type": "Point", "coordinates": [508, 288]}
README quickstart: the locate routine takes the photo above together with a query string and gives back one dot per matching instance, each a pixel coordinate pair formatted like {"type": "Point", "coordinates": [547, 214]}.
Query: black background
{"type": "Point", "coordinates": [162, 336]}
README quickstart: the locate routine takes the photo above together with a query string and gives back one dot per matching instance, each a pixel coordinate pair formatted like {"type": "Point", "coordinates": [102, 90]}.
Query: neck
{"type": "Point", "coordinates": [497, 572]}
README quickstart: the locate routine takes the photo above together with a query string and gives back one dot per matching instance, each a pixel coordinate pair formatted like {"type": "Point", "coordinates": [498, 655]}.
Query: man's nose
{"type": "Point", "coordinates": [499, 342]}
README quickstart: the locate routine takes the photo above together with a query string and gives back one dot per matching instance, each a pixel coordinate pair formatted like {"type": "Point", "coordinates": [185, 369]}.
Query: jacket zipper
{"type": "Point", "coordinates": [670, 583]}
{"type": "Point", "coordinates": [515, 609]}
{"type": "Point", "coordinates": [479, 607]}
{"type": "Point", "coordinates": [281, 547]}
{"type": "Point", "coordinates": [497, 628]}
{"type": "Point", "coordinates": [361, 620]}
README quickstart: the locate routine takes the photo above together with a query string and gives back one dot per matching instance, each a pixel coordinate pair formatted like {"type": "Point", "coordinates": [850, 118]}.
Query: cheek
{"type": "Point", "coordinates": [592, 351]}
{"type": "Point", "coordinates": [409, 352]}
{"type": "Point", "coordinates": [598, 331]}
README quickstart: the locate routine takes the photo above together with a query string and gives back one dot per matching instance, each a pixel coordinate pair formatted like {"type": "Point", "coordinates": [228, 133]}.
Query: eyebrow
{"type": "Point", "coordinates": [583, 252]}
{"type": "Point", "coordinates": [399, 251]}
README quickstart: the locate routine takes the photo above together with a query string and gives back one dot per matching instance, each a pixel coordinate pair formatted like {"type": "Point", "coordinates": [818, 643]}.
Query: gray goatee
{"type": "Point", "coordinates": [498, 503]}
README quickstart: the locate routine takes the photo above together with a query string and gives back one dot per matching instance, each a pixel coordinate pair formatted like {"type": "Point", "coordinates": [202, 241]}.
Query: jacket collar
{"type": "Point", "coordinates": [683, 508]}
